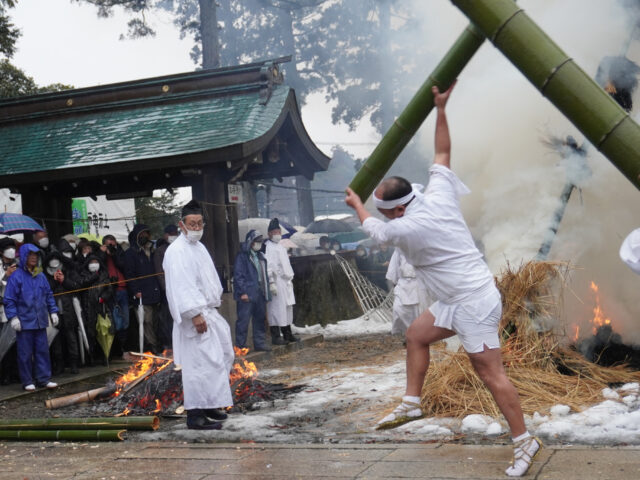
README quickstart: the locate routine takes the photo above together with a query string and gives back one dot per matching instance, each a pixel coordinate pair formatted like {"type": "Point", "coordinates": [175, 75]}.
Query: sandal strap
{"type": "Point", "coordinates": [406, 406]}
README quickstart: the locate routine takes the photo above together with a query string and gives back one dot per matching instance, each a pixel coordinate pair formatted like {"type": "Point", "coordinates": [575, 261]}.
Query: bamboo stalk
{"type": "Point", "coordinates": [600, 119]}
{"type": "Point", "coordinates": [88, 423]}
{"type": "Point", "coordinates": [416, 111]}
{"type": "Point", "coordinates": [76, 398]}
{"type": "Point", "coordinates": [71, 435]}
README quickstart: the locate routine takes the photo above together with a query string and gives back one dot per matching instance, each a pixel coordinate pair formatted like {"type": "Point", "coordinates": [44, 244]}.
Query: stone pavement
{"type": "Point", "coordinates": [146, 461]}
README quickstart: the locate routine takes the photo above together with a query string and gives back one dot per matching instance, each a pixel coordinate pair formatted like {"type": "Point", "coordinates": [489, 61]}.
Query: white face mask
{"type": "Point", "coordinates": [44, 242]}
{"type": "Point", "coordinates": [94, 267]}
{"type": "Point", "coordinates": [171, 238]}
{"type": "Point", "coordinates": [73, 246]}
{"type": "Point", "coordinates": [194, 235]}
{"type": "Point", "coordinates": [55, 264]}
{"type": "Point", "coordinates": [9, 253]}
{"type": "Point", "coordinates": [276, 238]}
{"type": "Point", "coordinates": [67, 254]}
{"type": "Point", "coordinates": [256, 247]}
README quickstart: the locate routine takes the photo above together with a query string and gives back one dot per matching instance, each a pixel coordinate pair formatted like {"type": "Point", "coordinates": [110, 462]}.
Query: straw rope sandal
{"type": "Point", "coordinates": [404, 413]}
{"type": "Point", "coordinates": [523, 454]}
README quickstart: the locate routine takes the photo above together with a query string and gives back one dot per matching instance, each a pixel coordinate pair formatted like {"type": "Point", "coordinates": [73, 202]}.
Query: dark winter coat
{"type": "Point", "coordinates": [137, 264]}
{"type": "Point", "coordinates": [90, 299]}
{"type": "Point", "coordinates": [71, 282]}
{"type": "Point", "coordinates": [245, 273]}
{"type": "Point", "coordinates": [29, 297]}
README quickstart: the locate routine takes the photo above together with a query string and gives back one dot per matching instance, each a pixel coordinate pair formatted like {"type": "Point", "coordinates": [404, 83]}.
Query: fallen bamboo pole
{"type": "Point", "coordinates": [148, 355]}
{"type": "Point", "coordinates": [88, 423]}
{"type": "Point", "coordinates": [132, 384]}
{"type": "Point", "coordinates": [71, 435]}
{"type": "Point", "coordinates": [79, 397]}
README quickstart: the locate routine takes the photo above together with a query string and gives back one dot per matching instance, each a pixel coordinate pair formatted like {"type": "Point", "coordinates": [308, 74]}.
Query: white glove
{"type": "Point", "coordinates": [3, 319]}
{"type": "Point", "coordinates": [273, 289]}
{"type": "Point", "coordinates": [15, 324]}
{"type": "Point", "coordinates": [54, 319]}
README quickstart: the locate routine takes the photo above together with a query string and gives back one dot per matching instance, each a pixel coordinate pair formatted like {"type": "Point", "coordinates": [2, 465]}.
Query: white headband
{"type": "Point", "coordinates": [389, 204]}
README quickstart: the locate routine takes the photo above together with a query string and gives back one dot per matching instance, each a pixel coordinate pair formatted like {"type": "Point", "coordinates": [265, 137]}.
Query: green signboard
{"type": "Point", "coordinates": [79, 216]}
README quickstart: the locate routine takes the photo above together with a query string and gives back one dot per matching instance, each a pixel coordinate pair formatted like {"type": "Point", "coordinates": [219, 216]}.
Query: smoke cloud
{"type": "Point", "coordinates": [498, 121]}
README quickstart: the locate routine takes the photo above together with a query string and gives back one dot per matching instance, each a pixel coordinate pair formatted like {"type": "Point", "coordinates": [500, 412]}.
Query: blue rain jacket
{"type": "Point", "coordinates": [245, 273]}
{"type": "Point", "coordinates": [27, 297]}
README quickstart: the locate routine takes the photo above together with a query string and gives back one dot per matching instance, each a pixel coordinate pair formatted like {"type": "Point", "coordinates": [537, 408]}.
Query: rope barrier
{"type": "Point", "coordinates": [107, 284]}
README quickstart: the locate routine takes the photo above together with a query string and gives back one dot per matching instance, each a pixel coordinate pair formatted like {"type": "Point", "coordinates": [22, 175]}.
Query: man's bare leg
{"type": "Point", "coordinates": [420, 335]}
{"type": "Point", "coordinates": [488, 365]}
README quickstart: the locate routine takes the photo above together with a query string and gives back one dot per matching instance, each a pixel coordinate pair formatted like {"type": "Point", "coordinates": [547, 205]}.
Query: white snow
{"type": "Point", "coordinates": [342, 406]}
{"type": "Point", "coordinates": [347, 328]}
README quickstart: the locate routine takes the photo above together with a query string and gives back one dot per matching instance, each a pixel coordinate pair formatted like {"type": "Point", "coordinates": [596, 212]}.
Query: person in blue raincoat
{"type": "Point", "coordinates": [251, 291]}
{"type": "Point", "coordinates": [28, 302]}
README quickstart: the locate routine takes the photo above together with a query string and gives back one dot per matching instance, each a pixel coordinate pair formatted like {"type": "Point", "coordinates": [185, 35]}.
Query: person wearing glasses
{"type": "Point", "coordinates": [201, 336]}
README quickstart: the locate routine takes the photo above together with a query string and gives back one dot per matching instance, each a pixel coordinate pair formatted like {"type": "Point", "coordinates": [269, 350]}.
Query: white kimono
{"type": "Point", "coordinates": [435, 239]}
{"type": "Point", "coordinates": [193, 287]}
{"type": "Point", "coordinates": [280, 308]}
{"type": "Point", "coordinates": [410, 297]}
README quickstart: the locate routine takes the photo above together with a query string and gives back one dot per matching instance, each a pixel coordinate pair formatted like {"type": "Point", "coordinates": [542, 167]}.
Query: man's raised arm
{"type": "Point", "coordinates": [442, 140]}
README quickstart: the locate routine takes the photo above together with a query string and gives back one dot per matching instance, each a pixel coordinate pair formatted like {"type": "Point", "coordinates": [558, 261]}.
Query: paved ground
{"type": "Point", "coordinates": [252, 462]}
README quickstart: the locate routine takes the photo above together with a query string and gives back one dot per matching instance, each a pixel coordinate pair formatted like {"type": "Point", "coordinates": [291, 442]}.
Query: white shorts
{"type": "Point", "coordinates": [475, 333]}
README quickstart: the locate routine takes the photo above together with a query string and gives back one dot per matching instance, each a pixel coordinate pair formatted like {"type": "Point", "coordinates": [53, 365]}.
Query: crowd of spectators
{"type": "Point", "coordinates": [46, 284]}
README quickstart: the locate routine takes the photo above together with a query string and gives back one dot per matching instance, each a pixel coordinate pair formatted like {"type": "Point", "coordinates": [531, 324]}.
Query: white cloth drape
{"type": "Point", "coordinates": [193, 287]}
{"type": "Point", "coordinates": [279, 309]}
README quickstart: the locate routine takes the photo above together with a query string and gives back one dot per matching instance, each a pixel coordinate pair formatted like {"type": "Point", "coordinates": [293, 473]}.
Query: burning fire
{"type": "Point", "coordinates": [242, 368]}
{"type": "Point", "coordinates": [143, 367]}
{"type": "Point", "coordinates": [599, 318]}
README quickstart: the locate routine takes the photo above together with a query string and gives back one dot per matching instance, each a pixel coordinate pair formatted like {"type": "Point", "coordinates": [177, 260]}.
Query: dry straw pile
{"type": "Point", "coordinates": [544, 372]}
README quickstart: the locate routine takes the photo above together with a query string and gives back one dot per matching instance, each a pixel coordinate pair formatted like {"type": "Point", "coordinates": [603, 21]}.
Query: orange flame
{"type": "Point", "coordinates": [599, 318]}
{"type": "Point", "coordinates": [242, 368]}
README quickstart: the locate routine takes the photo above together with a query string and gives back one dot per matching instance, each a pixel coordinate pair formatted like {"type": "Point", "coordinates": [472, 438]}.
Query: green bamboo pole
{"type": "Point", "coordinates": [71, 435]}
{"type": "Point", "coordinates": [89, 423]}
{"type": "Point", "coordinates": [407, 124]}
{"type": "Point", "coordinates": [561, 80]}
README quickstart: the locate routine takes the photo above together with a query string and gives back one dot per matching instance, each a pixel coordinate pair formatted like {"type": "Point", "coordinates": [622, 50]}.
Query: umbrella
{"type": "Point", "coordinates": [91, 237]}
{"type": "Point", "coordinates": [82, 334]}
{"type": "Point", "coordinates": [104, 334]}
{"type": "Point", "coordinates": [7, 338]}
{"type": "Point", "coordinates": [18, 223]}
{"type": "Point", "coordinates": [141, 324]}
{"type": "Point", "coordinates": [328, 226]}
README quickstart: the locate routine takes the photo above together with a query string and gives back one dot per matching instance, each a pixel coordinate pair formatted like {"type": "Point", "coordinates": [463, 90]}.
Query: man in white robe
{"type": "Point", "coordinates": [630, 251]}
{"type": "Point", "coordinates": [410, 298]}
{"type": "Point", "coordinates": [201, 337]}
{"type": "Point", "coordinates": [431, 232]}
{"type": "Point", "coordinates": [280, 308]}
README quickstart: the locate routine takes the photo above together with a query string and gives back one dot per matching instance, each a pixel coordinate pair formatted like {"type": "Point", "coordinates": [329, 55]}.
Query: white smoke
{"type": "Point", "coordinates": [497, 121]}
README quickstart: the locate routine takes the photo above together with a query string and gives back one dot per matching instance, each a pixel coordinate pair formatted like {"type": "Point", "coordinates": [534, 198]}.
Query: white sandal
{"type": "Point", "coordinates": [403, 413]}
{"type": "Point", "coordinates": [523, 454]}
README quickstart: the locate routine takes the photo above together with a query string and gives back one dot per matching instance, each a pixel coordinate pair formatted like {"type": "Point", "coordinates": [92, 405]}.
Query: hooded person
{"type": "Point", "coordinates": [280, 308]}
{"type": "Point", "coordinates": [72, 240]}
{"type": "Point", "coordinates": [67, 251]}
{"type": "Point", "coordinates": [201, 336]}
{"type": "Point", "coordinates": [96, 300]}
{"type": "Point", "coordinates": [142, 283]}
{"type": "Point", "coordinates": [62, 277]}
{"type": "Point", "coordinates": [28, 303]}
{"type": "Point", "coordinates": [165, 323]}
{"type": "Point", "coordinates": [251, 291]}
{"type": "Point", "coordinates": [113, 258]}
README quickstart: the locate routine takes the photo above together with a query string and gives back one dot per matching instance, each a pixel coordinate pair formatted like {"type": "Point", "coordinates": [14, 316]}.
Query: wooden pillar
{"type": "Point", "coordinates": [210, 189]}
{"type": "Point", "coordinates": [250, 200]}
{"type": "Point", "coordinates": [305, 200]}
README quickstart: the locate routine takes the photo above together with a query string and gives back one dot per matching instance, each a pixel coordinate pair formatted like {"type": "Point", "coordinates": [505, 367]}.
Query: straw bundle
{"type": "Point", "coordinates": [544, 372]}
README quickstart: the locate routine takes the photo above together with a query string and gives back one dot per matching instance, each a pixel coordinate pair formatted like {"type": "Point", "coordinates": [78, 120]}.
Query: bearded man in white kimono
{"type": "Point", "coordinates": [410, 298]}
{"type": "Point", "coordinates": [201, 337]}
{"type": "Point", "coordinates": [280, 308]}
{"type": "Point", "coordinates": [431, 232]}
